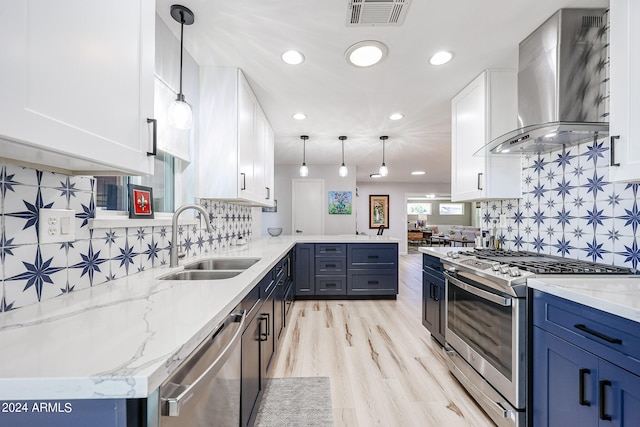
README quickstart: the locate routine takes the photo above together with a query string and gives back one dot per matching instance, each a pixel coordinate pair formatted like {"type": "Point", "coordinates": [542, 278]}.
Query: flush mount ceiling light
{"type": "Point", "coordinates": [396, 116]}
{"type": "Point", "coordinates": [366, 53]}
{"type": "Point", "coordinates": [299, 116]}
{"type": "Point", "coordinates": [418, 173]}
{"type": "Point", "coordinates": [384, 171]}
{"type": "Point", "coordinates": [441, 58]}
{"type": "Point", "coordinates": [293, 57]}
{"type": "Point", "coordinates": [304, 170]}
{"type": "Point", "coordinates": [180, 114]}
{"type": "Point", "coordinates": [343, 169]}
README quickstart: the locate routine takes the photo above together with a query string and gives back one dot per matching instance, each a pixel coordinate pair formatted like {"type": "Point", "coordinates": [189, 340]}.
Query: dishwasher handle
{"type": "Point", "coordinates": [173, 404]}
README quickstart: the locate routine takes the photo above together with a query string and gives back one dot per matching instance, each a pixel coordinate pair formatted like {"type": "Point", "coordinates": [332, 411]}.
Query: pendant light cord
{"type": "Point", "coordinates": [343, 152]}
{"type": "Point", "coordinates": [181, 46]}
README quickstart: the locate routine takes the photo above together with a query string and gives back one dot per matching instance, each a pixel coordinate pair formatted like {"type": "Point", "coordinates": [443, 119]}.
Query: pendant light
{"type": "Point", "coordinates": [180, 114]}
{"type": "Point", "coordinates": [304, 170]}
{"type": "Point", "coordinates": [343, 169]}
{"type": "Point", "coordinates": [384, 171]}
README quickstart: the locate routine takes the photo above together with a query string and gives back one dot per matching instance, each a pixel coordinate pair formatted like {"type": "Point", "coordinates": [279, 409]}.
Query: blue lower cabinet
{"type": "Point", "coordinates": [620, 396]}
{"type": "Point", "coordinates": [304, 270]}
{"type": "Point", "coordinates": [67, 413]}
{"type": "Point", "coordinates": [577, 378]}
{"type": "Point", "coordinates": [565, 384]}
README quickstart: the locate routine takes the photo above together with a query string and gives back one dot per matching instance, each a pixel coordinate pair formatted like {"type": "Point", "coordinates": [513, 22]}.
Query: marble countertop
{"type": "Point", "coordinates": [616, 295]}
{"type": "Point", "coordinates": [122, 339]}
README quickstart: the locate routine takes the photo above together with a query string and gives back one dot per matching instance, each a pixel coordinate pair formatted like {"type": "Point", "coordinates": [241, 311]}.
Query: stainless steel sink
{"type": "Point", "coordinates": [201, 275]}
{"type": "Point", "coordinates": [222, 264]}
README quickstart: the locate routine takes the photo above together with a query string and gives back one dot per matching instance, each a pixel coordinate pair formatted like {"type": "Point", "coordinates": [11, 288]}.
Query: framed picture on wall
{"type": "Point", "coordinates": [379, 211]}
{"type": "Point", "coordinates": [340, 203]}
{"type": "Point", "coordinates": [140, 201]}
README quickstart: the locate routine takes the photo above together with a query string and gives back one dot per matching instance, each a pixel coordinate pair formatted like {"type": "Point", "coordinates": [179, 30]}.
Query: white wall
{"type": "Point", "coordinates": [397, 205]}
{"type": "Point", "coordinates": [333, 224]}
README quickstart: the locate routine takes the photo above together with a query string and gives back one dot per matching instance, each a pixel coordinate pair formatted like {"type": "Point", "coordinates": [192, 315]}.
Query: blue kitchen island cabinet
{"type": "Point", "coordinates": [586, 365]}
{"type": "Point", "coordinates": [346, 270]}
{"type": "Point", "coordinates": [434, 297]}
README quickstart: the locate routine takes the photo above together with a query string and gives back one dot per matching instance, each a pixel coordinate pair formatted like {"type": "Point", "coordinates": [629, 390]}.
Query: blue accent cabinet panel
{"type": "Point", "coordinates": [565, 383]}
{"type": "Point", "coordinates": [64, 413]}
{"type": "Point", "coordinates": [304, 271]}
{"type": "Point", "coordinates": [585, 365]}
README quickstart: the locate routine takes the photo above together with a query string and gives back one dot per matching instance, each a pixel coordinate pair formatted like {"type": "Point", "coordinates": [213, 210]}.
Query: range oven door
{"type": "Point", "coordinates": [487, 329]}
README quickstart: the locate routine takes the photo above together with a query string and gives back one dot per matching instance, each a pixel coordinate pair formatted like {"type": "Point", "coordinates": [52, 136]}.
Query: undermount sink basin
{"type": "Point", "coordinates": [222, 264]}
{"type": "Point", "coordinates": [200, 275]}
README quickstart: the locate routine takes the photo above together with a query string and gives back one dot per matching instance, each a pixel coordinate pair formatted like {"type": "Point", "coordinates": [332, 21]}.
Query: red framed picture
{"type": "Point", "coordinates": [140, 201]}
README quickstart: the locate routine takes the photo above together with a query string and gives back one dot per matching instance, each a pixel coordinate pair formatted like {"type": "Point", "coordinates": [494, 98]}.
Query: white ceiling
{"type": "Point", "coordinates": [340, 99]}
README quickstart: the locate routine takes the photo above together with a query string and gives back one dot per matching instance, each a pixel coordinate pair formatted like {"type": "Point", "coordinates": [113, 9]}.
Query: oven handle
{"type": "Point", "coordinates": [498, 299]}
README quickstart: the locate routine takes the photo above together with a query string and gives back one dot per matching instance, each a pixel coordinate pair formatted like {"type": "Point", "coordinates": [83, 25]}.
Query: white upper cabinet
{"type": "Point", "coordinates": [235, 149]}
{"type": "Point", "coordinates": [481, 112]}
{"type": "Point", "coordinates": [77, 84]}
{"type": "Point", "coordinates": [624, 85]}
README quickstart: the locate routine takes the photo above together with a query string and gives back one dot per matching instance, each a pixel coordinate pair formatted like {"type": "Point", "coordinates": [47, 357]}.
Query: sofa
{"type": "Point", "coordinates": [464, 232]}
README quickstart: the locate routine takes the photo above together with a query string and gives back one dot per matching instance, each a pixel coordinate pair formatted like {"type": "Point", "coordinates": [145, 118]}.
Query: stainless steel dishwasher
{"type": "Point", "coordinates": [205, 390]}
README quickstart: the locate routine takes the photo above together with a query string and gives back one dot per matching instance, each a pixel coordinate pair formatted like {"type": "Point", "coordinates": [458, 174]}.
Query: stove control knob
{"type": "Point", "coordinates": [514, 272]}
{"type": "Point", "coordinates": [504, 269]}
{"type": "Point", "coordinates": [495, 266]}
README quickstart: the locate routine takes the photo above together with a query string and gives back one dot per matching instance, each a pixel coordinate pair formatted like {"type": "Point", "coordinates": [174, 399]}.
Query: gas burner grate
{"type": "Point", "coordinates": [577, 267]}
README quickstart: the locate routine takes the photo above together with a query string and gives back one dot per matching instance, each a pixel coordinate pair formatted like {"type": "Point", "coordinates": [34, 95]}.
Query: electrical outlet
{"type": "Point", "coordinates": [503, 221]}
{"type": "Point", "coordinates": [56, 225]}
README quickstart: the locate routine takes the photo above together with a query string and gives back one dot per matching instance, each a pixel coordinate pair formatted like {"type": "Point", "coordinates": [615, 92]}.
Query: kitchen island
{"type": "Point", "coordinates": [121, 340]}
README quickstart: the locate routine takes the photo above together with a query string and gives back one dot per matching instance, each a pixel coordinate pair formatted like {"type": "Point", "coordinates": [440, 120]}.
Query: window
{"type": "Point", "coordinates": [112, 194]}
{"type": "Point", "coordinates": [451, 208]}
{"type": "Point", "coordinates": [418, 208]}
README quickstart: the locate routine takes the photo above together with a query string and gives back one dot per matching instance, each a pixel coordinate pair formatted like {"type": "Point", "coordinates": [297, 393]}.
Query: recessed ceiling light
{"type": "Point", "coordinates": [293, 57]}
{"type": "Point", "coordinates": [375, 175]}
{"type": "Point", "coordinates": [366, 53]}
{"type": "Point", "coordinates": [418, 173]}
{"type": "Point", "coordinates": [441, 58]}
{"type": "Point", "coordinates": [396, 116]}
{"type": "Point", "coordinates": [299, 116]}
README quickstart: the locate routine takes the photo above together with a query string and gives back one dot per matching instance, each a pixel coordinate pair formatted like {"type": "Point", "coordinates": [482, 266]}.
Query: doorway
{"type": "Point", "coordinates": [307, 207]}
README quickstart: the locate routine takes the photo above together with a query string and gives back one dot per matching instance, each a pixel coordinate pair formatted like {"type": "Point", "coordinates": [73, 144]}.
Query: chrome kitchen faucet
{"type": "Point", "coordinates": [173, 254]}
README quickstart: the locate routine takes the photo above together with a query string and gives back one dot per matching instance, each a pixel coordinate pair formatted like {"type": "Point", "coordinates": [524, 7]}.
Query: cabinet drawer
{"type": "Point", "coordinates": [331, 265]}
{"type": "Point", "coordinates": [372, 256]}
{"type": "Point", "coordinates": [364, 282]}
{"type": "Point", "coordinates": [432, 265]}
{"type": "Point", "coordinates": [331, 285]}
{"type": "Point", "coordinates": [606, 335]}
{"type": "Point", "coordinates": [267, 284]}
{"type": "Point", "coordinates": [331, 249]}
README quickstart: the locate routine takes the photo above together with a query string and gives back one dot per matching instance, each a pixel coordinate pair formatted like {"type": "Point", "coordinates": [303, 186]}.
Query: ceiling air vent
{"type": "Point", "coordinates": [377, 12]}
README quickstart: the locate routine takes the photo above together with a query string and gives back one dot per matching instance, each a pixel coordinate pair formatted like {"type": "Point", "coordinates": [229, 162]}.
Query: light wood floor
{"type": "Point", "coordinates": [385, 370]}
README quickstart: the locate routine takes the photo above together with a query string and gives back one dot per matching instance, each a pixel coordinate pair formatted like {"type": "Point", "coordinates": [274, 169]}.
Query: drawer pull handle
{"type": "Point", "coordinates": [373, 282]}
{"type": "Point", "coordinates": [582, 400]}
{"type": "Point", "coordinates": [373, 257]}
{"type": "Point", "coordinates": [330, 265]}
{"type": "Point", "coordinates": [331, 285]}
{"type": "Point", "coordinates": [603, 404]}
{"type": "Point", "coordinates": [597, 334]}
{"type": "Point", "coordinates": [330, 249]}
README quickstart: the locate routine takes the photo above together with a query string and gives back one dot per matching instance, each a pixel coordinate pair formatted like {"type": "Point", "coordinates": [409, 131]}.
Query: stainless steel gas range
{"type": "Point", "coordinates": [487, 322]}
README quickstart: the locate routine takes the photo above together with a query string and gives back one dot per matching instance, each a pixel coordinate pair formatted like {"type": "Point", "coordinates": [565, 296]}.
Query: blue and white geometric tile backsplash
{"type": "Point", "coordinates": [569, 208]}
{"type": "Point", "coordinates": [33, 272]}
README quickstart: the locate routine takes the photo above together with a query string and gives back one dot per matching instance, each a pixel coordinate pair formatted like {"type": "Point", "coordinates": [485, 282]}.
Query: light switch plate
{"type": "Point", "coordinates": [56, 225]}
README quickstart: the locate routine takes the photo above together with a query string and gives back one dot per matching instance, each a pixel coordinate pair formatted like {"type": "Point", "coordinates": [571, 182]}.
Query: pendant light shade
{"type": "Point", "coordinates": [304, 170]}
{"type": "Point", "coordinates": [383, 171]}
{"type": "Point", "coordinates": [180, 114]}
{"type": "Point", "coordinates": [343, 168]}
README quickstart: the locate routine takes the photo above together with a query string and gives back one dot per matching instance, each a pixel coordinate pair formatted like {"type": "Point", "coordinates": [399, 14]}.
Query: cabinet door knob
{"type": "Point", "coordinates": [154, 137]}
{"type": "Point", "coordinates": [581, 399]}
{"type": "Point", "coordinates": [602, 399]}
{"type": "Point", "coordinates": [612, 151]}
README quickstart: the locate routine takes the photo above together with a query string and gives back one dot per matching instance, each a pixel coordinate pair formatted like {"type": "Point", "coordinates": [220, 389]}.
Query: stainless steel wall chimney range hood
{"type": "Point", "coordinates": [562, 85]}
